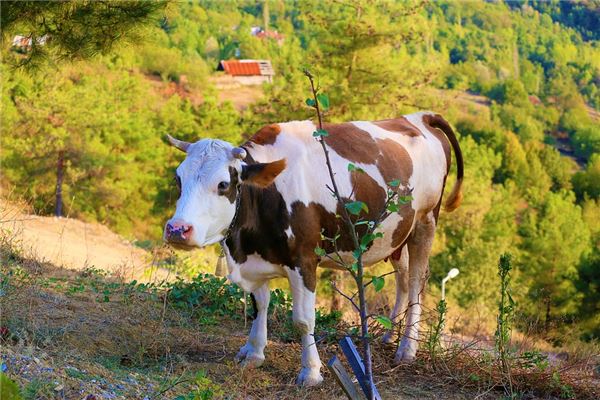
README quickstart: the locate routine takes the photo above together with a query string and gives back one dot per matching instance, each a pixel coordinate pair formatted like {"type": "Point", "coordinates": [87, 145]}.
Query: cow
{"type": "Point", "coordinates": [267, 202]}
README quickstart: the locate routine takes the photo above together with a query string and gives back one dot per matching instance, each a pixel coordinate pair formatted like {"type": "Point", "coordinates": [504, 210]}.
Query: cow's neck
{"type": "Point", "coordinates": [259, 226]}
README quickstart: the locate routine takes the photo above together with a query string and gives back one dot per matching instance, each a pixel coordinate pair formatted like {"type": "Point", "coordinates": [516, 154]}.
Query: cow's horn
{"type": "Point", "coordinates": [180, 144]}
{"type": "Point", "coordinates": [238, 152]}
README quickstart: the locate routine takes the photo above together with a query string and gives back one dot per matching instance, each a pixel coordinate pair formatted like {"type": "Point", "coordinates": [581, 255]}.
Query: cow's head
{"type": "Point", "coordinates": [209, 180]}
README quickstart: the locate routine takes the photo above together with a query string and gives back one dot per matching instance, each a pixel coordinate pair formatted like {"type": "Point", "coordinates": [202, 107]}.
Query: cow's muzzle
{"type": "Point", "coordinates": [178, 233]}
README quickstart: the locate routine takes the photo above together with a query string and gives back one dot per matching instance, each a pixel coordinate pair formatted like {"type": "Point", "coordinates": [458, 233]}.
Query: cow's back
{"type": "Point", "coordinates": [406, 149]}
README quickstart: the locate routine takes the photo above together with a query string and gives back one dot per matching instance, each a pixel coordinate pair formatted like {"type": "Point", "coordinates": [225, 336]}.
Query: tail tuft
{"type": "Point", "coordinates": [453, 201]}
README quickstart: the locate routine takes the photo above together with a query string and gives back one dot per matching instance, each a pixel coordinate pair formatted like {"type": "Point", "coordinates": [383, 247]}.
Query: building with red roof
{"type": "Point", "coordinates": [248, 72]}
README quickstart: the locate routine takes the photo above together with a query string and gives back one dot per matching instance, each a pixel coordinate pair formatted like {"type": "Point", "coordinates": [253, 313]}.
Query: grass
{"type": "Point", "coordinates": [73, 333]}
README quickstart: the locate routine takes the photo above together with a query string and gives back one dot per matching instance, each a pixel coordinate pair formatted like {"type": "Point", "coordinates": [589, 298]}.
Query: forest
{"type": "Point", "coordinates": [519, 81]}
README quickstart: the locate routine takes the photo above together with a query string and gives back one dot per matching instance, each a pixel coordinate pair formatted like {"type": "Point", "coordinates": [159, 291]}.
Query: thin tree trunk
{"type": "Point", "coordinates": [60, 171]}
{"type": "Point", "coordinates": [265, 11]}
{"type": "Point", "coordinates": [336, 299]}
{"type": "Point", "coordinates": [547, 321]}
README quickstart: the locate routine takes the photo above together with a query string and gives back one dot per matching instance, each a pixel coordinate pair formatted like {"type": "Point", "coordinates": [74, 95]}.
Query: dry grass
{"type": "Point", "coordinates": [64, 340]}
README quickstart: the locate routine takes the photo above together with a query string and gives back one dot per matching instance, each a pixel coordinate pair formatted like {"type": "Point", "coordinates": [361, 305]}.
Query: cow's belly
{"type": "Point", "coordinates": [381, 248]}
{"type": "Point", "coordinates": [253, 273]}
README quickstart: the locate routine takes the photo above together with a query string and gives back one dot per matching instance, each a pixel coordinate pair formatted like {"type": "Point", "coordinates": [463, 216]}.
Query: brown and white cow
{"type": "Point", "coordinates": [278, 181]}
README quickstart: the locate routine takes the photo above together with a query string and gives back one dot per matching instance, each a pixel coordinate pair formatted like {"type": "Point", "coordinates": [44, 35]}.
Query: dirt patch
{"type": "Point", "coordinates": [75, 244]}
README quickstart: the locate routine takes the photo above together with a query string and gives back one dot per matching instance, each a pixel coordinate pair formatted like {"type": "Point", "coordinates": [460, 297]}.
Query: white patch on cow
{"type": "Point", "coordinates": [427, 155]}
{"type": "Point", "coordinates": [306, 177]}
{"type": "Point", "coordinates": [288, 232]}
{"type": "Point", "coordinates": [252, 353]}
{"type": "Point", "coordinates": [200, 205]}
{"type": "Point", "coordinates": [303, 315]}
{"type": "Point", "coordinates": [252, 273]}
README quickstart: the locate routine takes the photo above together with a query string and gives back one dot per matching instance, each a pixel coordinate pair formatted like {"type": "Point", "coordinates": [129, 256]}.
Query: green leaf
{"type": "Point", "coordinates": [393, 207]}
{"type": "Point", "coordinates": [320, 251]}
{"type": "Point", "coordinates": [310, 102]}
{"type": "Point", "coordinates": [402, 200]}
{"type": "Point", "coordinates": [352, 167]}
{"type": "Point", "coordinates": [354, 267]}
{"type": "Point", "coordinates": [394, 183]}
{"type": "Point", "coordinates": [323, 100]}
{"type": "Point", "coordinates": [368, 238]}
{"type": "Point", "coordinates": [378, 283]}
{"type": "Point", "coordinates": [355, 207]}
{"type": "Point", "coordinates": [356, 254]}
{"type": "Point", "coordinates": [384, 321]}
{"type": "Point", "coordinates": [320, 132]}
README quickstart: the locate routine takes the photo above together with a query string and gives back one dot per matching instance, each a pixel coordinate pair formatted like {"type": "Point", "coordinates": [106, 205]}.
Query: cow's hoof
{"type": "Point", "coordinates": [309, 377]}
{"type": "Point", "coordinates": [249, 358]}
{"type": "Point", "coordinates": [405, 355]}
{"type": "Point", "coordinates": [388, 338]}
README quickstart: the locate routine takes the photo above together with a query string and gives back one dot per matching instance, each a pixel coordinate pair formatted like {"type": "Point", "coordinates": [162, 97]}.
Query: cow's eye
{"type": "Point", "coordinates": [223, 186]}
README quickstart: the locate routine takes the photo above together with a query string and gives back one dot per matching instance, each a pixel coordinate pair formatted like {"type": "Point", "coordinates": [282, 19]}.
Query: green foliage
{"type": "Point", "coordinates": [207, 295]}
{"type": "Point", "coordinates": [74, 29]}
{"type": "Point", "coordinates": [587, 183]}
{"type": "Point", "coordinates": [205, 389]}
{"type": "Point", "coordinates": [384, 321]}
{"type": "Point", "coordinates": [553, 252]}
{"type": "Point", "coordinates": [8, 389]}
{"type": "Point", "coordinates": [433, 343]}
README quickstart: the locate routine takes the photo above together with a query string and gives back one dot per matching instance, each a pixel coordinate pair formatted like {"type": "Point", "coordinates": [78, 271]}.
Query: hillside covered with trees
{"type": "Point", "coordinates": [519, 81]}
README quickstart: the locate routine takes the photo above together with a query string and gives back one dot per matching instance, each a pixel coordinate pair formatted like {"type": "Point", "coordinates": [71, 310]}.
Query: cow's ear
{"type": "Point", "coordinates": [262, 174]}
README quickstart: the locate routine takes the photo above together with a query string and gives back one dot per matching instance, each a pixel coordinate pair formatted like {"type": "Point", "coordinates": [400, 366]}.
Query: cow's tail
{"type": "Point", "coordinates": [455, 197]}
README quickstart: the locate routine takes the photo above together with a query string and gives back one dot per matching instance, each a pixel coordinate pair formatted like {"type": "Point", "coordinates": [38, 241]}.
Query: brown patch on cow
{"type": "Point", "coordinates": [308, 222]}
{"type": "Point", "coordinates": [351, 143]}
{"type": "Point", "coordinates": [260, 226]}
{"type": "Point", "coordinates": [403, 228]}
{"type": "Point", "coordinates": [399, 125]}
{"type": "Point", "coordinates": [367, 190]}
{"type": "Point", "coordinates": [266, 134]}
{"type": "Point", "coordinates": [394, 161]}
{"type": "Point", "coordinates": [262, 174]}
{"type": "Point", "coordinates": [305, 222]}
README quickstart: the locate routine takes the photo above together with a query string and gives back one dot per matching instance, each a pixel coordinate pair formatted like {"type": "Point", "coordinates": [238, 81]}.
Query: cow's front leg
{"type": "Point", "coordinates": [252, 353]}
{"type": "Point", "coordinates": [303, 315]}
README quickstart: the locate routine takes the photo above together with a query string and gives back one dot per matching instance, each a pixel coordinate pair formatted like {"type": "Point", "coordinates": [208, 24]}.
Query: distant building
{"type": "Point", "coordinates": [23, 43]}
{"type": "Point", "coordinates": [248, 72]}
{"type": "Point", "coordinates": [259, 33]}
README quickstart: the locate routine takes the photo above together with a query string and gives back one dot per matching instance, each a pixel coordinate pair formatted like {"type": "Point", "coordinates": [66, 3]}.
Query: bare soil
{"type": "Point", "coordinates": [77, 245]}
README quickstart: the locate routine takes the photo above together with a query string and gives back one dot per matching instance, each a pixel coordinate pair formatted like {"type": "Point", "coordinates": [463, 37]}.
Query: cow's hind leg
{"type": "Point", "coordinates": [303, 316]}
{"type": "Point", "coordinates": [252, 353]}
{"type": "Point", "coordinates": [419, 247]}
{"type": "Point", "coordinates": [401, 274]}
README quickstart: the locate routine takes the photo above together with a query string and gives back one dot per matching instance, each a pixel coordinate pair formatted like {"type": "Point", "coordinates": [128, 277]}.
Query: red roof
{"type": "Point", "coordinates": [246, 67]}
{"type": "Point", "coordinates": [269, 34]}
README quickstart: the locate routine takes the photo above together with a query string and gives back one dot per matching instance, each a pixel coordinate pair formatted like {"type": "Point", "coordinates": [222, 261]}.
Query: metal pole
{"type": "Point", "coordinates": [444, 288]}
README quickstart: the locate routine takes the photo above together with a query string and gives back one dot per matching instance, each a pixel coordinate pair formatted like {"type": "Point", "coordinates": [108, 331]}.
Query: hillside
{"type": "Point", "coordinates": [87, 335]}
{"type": "Point", "coordinates": [83, 134]}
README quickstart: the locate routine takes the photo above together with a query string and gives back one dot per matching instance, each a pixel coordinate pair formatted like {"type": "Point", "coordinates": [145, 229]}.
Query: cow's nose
{"type": "Point", "coordinates": [178, 231]}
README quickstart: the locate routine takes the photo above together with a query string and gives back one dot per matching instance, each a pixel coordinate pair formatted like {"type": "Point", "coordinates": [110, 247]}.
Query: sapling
{"type": "Point", "coordinates": [361, 230]}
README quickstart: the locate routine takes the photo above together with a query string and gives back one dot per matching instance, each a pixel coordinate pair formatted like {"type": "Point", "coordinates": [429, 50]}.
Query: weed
{"type": "Point", "coordinates": [506, 308]}
{"type": "Point", "coordinates": [436, 329]}
{"type": "Point", "coordinates": [205, 389]}
{"type": "Point", "coordinates": [38, 388]}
